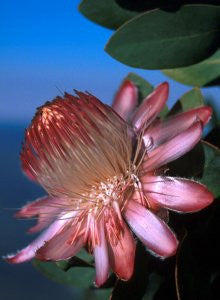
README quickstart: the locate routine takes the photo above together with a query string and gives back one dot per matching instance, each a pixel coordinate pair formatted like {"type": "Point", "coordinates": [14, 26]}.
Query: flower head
{"type": "Point", "coordinates": [103, 170]}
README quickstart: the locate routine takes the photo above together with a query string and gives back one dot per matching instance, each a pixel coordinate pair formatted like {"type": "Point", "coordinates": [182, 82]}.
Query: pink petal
{"type": "Point", "coordinates": [46, 208]}
{"type": "Point", "coordinates": [152, 231]}
{"type": "Point", "coordinates": [126, 99]}
{"type": "Point", "coordinates": [29, 252]}
{"type": "Point", "coordinates": [151, 106]}
{"type": "Point", "coordinates": [101, 258]}
{"type": "Point", "coordinates": [161, 131]}
{"type": "Point", "coordinates": [60, 246]}
{"type": "Point", "coordinates": [174, 148]}
{"type": "Point", "coordinates": [182, 195]}
{"type": "Point", "coordinates": [122, 254]}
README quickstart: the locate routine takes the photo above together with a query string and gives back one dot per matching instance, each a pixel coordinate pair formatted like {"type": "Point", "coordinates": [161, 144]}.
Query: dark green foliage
{"type": "Point", "coordinates": [203, 73]}
{"type": "Point", "coordinates": [160, 39]}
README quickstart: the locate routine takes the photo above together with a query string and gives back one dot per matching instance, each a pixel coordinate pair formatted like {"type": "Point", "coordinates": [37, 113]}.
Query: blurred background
{"type": "Point", "coordinates": [47, 48]}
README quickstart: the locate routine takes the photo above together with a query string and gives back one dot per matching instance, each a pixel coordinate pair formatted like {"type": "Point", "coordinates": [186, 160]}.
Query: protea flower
{"type": "Point", "coordinates": [103, 170]}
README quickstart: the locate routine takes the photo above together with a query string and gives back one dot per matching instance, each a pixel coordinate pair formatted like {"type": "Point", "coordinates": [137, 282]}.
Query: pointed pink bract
{"type": "Point", "coordinates": [178, 194]}
{"type": "Point", "coordinates": [46, 208]}
{"type": "Point", "coordinates": [126, 99]}
{"type": "Point", "coordinates": [161, 131]}
{"type": "Point", "coordinates": [60, 246]}
{"type": "Point", "coordinates": [152, 231]}
{"type": "Point", "coordinates": [173, 149]}
{"type": "Point", "coordinates": [151, 106]}
{"type": "Point", "coordinates": [29, 252]}
{"type": "Point", "coordinates": [122, 253]}
{"type": "Point", "coordinates": [101, 258]}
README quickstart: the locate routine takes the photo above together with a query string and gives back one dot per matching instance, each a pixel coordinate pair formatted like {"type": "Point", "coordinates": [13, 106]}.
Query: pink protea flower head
{"type": "Point", "coordinates": [102, 169]}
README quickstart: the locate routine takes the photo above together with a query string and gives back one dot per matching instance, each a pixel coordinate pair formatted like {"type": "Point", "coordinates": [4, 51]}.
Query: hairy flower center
{"type": "Point", "coordinates": [108, 191]}
{"type": "Point", "coordinates": [82, 152]}
{"type": "Point", "coordinates": [109, 194]}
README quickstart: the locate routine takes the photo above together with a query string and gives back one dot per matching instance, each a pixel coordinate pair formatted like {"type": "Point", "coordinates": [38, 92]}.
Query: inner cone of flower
{"type": "Point", "coordinates": [104, 171]}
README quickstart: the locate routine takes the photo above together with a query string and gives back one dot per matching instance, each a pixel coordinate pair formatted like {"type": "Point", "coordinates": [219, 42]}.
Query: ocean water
{"type": "Point", "coordinates": [20, 281]}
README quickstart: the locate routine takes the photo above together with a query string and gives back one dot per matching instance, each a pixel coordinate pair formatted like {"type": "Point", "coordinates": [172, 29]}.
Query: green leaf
{"type": "Point", "coordinates": [106, 13]}
{"type": "Point", "coordinates": [84, 255]}
{"type": "Point", "coordinates": [83, 259]}
{"type": "Point", "coordinates": [164, 112]}
{"type": "Point", "coordinates": [211, 171]}
{"type": "Point", "coordinates": [78, 277]}
{"type": "Point", "coordinates": [203, 73]}
{"type": "Point", "coordinates": [97, 294]}
{"type": "Point", "coordinates": [75, 261]}
{"type": "Point", "coordinates": [113, 13]}
{"type": "Point", "coordinates": [201, 163]}
{"type": "Point", "coordinates": [144, 87]}
{"type": "Point", "coordinates": [154, 283]}
{"type": "Point", "coordinates": [189, 100]}
{"type": "Point", "coordinates": [214, 136]}
{"type": "Point", "coordinates": [190, 165]}
{"type": "Point", "coordinates": [162, 40]}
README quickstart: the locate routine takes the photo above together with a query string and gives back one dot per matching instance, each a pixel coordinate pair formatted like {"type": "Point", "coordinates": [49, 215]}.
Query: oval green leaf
{"type": "Point", "coordinates": [203, 73]}
{"type": "Point", "coordinates": [97, 294]}
{"type": "Point", "coordinates": [163, 40]}
{"type": "Point", "coordinates": [76, 276]}
{"type": "Point", "coordinates": [214, 136]}
{"type": "Point", "coordinates": [106, 13]}
{"type": "Point", "coordinates": [113, 13]}
{"type": "Point", "coordinates": [211, 171]}
{"type": "Point", "coordinates": [189, 100]}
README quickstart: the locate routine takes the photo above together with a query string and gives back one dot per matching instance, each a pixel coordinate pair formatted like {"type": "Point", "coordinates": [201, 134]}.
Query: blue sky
{"type": "Point", "coordinates": [47, 47]}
